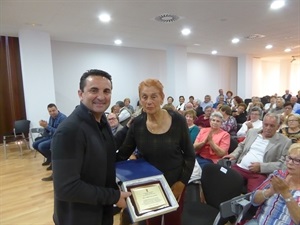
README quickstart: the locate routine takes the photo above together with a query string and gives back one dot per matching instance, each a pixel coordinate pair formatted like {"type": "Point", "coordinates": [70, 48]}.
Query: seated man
{"type": "Point", "coordinates": [42, 145]}
{"type": "Point", "coordinates": [124, 113]}
{"type": "Point", "coordinates": [114, 124]}
{"type": "Point", "coordinates": [254, 122]}
{"type": "Point", "coordinates": [262, 152]}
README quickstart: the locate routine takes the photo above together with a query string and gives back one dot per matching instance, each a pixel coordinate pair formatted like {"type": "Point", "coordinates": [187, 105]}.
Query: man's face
{"type": "Point", "coordinates": [207, 99]}
{"type": "Point", "coordinates": [112, 120]}
{"type": "Point", "coordinates": [221, 99]}
{"type": "Point", "coordinates": [53, 111]}
{"type": "Point", "coordinates": [270, 126]}
{"type": "Point", "coordinates": [293, 99]}
{"type": "Point", "coordinates": [279, 102]}
{"type": "Point", "coordinates": [96, 94]}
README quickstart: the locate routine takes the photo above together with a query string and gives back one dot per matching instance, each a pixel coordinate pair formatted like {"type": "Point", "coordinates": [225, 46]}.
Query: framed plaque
{"type": "Point", "coordinates": [151, 195]}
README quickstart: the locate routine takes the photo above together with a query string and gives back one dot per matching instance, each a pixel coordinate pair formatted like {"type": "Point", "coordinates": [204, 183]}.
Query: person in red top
{"type": "Point", "coordinates": [203, 120]}
{"type": "Point", "coordinates": [212, 143]}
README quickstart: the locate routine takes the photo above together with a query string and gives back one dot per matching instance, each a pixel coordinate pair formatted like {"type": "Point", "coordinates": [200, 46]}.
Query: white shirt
{"type": "Point", "coordinates": [256, 152]}
{"type": "Point", "coordinates": [243, 130]}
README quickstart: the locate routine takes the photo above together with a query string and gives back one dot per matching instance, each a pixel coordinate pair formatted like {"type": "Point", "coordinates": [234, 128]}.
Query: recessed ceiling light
{"type": "Point", "coordinates": [118, 42]}
{"type": "Point", "coordinates": [287, 50]}
{"type": "Point", "coordinates": [235, 40]}
{"type": "Point", "coordinates": [197, 44]}
{"type": "Point", "coordinates": [277, 4]}
{"type": "Point", "coordinates": [269, 46]}
{"type": "Point", "coordinates": [214, 52]}
{"type": "Point", "coordinates": [185, 31]}
{"type": "Point", "coordinates": [105, 18]}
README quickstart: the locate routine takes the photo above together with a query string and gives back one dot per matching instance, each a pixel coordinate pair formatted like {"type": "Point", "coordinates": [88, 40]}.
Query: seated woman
{"type": "Point", "coordinates": [254, 122]}
{"type": "Point", "coordinates": [235, 103]}
{"type": "Point", "coordinates": [292, 131]}
{"type": "Point", "coordinates": [240, 114]}
{"type": "Point", "coordinates": [278, 197]}
{"type": "Point", "coordinates": [212, 143]}
{"type": "Point", "coordinates": [229, 122]}
{"type": "Point", "coordinates": [190, 116]}
{"type": "Point", "coordinates": [203, 120]}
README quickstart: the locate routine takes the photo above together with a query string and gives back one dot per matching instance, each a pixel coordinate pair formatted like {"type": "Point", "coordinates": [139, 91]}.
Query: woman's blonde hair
{"type": "Point", "coordinates": [294, 148]}
{"type": "Point", "coordinates": [152, 83]}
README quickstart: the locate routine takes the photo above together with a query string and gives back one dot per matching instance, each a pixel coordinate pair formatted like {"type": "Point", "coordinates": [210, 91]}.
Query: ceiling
{"type": "Point", "coordinates": [213, 24]}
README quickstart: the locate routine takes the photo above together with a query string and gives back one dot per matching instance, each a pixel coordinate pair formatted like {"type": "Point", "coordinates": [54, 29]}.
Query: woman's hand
{"type": "Point", "coordinates": [279, 185]}
{"type": "Point", "coordinates": [177, 189]}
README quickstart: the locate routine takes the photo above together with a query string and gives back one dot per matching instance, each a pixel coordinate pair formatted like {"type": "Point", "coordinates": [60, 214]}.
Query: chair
{"type": "Point", "coordinates": [219, 184]}
{"type": "Point", "coordinates": [37, 130]}
{"type": "Point", "coordinates": [18, 136]}
{"type": "Point", "coordinates": [237, 207]}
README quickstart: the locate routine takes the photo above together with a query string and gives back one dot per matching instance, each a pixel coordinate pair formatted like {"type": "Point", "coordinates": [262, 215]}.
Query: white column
{"type": "Point", "coordinates": [244, 77]}
{"type": "Point", "coordinates": [37, 72]}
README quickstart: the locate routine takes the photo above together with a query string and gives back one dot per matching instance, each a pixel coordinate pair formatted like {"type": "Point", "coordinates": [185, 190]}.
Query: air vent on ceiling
{"type": "Point", "coordinates": [254, 36]}
{"type": "Point", "coordinates": [167, 18]}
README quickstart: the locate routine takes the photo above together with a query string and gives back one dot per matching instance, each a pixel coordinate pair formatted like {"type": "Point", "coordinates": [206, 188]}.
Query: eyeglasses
{"type": "Point", "coordinates": [112, 119]}
{"type": "Point", "coordinates": [288, 108]}
{"type": "Point", "coordinates": [292, 120]}
{"type": "Point", "coordinates": [294, 161]}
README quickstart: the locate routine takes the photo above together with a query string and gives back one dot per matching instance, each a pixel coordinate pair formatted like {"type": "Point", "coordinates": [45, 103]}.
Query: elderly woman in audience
{"type": "Point", "coordinates": [270, 105]}
{"type": "Point", "coordinates": [212, 143]}
{"type": "Point", "coordinates": [254, 102]}
{"type": "Point", "coordinates": [169, 105]}
{"type": "Point", "coordinates": [278, 197]}
{"type": "Point", "coordinates": [229, 122]}
{"type": "Point", "coordinates": [190, 116]}
{"type": "Point", "coordinates": [240, 114]}
{"type": "Point", "coordinates": [229, 98]}
{"type": "Point", "coordinates": [288, 109]}
{"type": "Point", "coordinates": [292, 131]}
{"type": "Point", "coordinates": [235, 103]}
{"type": "Point", "coordinates": [203, 120]}
{"type": "Point", "coordinates": [254, 122]}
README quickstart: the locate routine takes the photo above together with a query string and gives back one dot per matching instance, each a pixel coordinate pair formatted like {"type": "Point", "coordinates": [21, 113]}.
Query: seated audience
{"type": "Point", "coordinates": [190, 116]}
{"type": "Point", "coordinates": [254, 102]}
{"type": "Point", "coordinates": [262, 152]}
{"type": "Point", "coordinates": [128, 106]}
{"type": "Point", "coordinates": [207, 102]}
{"type": "Point", "coordinates": [229, 122]}
{"type": "Point", "coordinates": [124, 114]}
{"type": "Point", "coordinates": [292, 131]}
{"type": "Point", "coordinates": [235, 103]}
{"type": "Point", "coordinates": [114, 124]}
{"type": "Point", "coordinates": [221, 102]}
{"type": "Point", "coordinates": [203, 120]}
{"type": "Point", "coordinates": [295, 104]}
{"type": "Point", "coordinates": [114, 109]}
{"type": "Point", "coordinates": [42, 145]}
{"type": "Point", "coordinates": [270, 105]}
{"type": "Point", "coordinates": [198, 108]}
{"type": "Point", "coordinates": [279, 106]}
{"type": "Point", "coordinates": [288, 109]}
{"type": "Point", "coordinates": [221, 93]}
{"type": "Point", "coordinates": [287, 96]}
{"type": "Point", "coordinates": [254, 122]}
{"type": "Point", "coordinates": [181, 107]}
{"type": "Point", "coordinates": [169, 105]}
{"type": "Point", "coordinates": [212, 143]}
{"type": "Point", "coordinates": [240, 115]}
{"type": "Point", "coordinates": [191, 99]}
{"type": "Point", "coordinates": [278, 197]}
{"type": "Point", "coordinates": [229, 98]}
{"type": "Point", "coordinates": [188, 106]}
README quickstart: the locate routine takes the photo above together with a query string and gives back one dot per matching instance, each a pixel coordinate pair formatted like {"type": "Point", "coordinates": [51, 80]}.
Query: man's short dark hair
{"type": "Point", "coordinates": [51, 105]}
{"type": "Point", "coordinates": [120, 103]}
{"type": "Point", "coordinates": [93, 72]}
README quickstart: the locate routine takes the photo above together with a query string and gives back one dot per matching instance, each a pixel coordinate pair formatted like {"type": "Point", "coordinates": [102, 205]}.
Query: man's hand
{"type": "Point", "coordinates": [43, 123]}
{"type": "Point", "coordinates": [177, 189]}
{"type": "Point", "coordinates": [122, 200]}
{"type": "Point", "coordinates": [230, 157]}
{"type": "Point", "coordinates": [254, 167]}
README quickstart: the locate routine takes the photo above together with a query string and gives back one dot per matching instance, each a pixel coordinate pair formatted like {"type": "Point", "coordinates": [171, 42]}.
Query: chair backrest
{"type": "Point", "coordinates": [220, 184]}
{"type": "Point", "coordinates": [22, 126]}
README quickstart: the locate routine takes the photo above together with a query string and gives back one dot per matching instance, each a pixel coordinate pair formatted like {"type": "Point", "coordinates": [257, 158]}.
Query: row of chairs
{"type": "Point", "coordinates": [222, 188]}
{"type": "Point", "coordinates": [20, 136]}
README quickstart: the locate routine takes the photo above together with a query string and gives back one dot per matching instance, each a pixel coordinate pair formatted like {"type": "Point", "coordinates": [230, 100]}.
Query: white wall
{"type": "Point", "coordinates": [129, 66]}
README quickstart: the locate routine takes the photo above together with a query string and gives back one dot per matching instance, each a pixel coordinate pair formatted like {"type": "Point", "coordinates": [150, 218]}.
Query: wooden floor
{"type": "Point", "coordinates": [24, 198]}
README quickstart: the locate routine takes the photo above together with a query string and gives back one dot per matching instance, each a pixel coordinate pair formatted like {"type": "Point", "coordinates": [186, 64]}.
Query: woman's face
{"type": "Point", "coordinates": [208, 112]}
{"type": "Point", "coordinates": [150, 99]}
{"type": "Point", "coordinates": [293, 122]}
{"type": "Point", "coordinates": [189, 119]}
{"type": "Point", "coordinates": [170, 100]}
{"type": "Point", "coordinates": [215, 123]}
{"type": "Point", "coordinates": [288, 110]}
{"type": "Point", "coordinates": [293, 163]}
